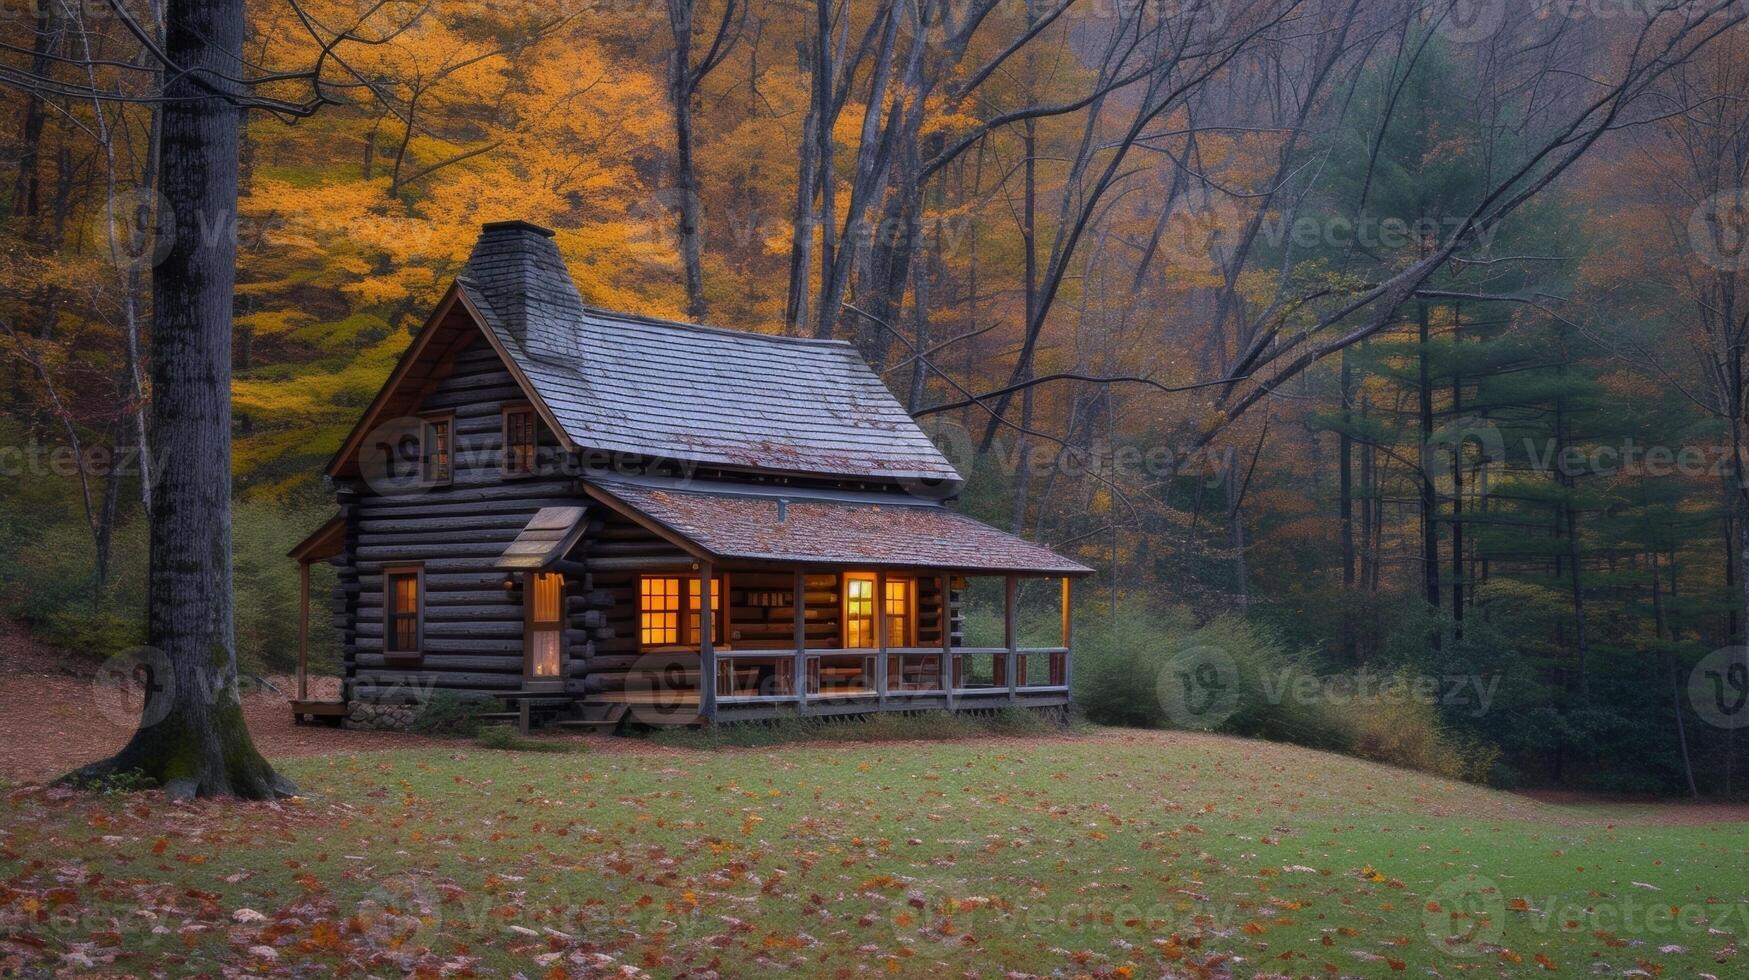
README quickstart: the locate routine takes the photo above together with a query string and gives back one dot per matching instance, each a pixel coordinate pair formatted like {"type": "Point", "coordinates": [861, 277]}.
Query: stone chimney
{"type": "Point", "coordinates": [516, 266]}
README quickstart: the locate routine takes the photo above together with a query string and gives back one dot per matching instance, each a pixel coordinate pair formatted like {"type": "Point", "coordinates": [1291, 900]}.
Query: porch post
{"type": "Point", "coordinates": [1011, 633]}
{"type": "Point", "coordinates": [946, 622]}
{"type": "Point", "coordinates": [707, 652]}
{"type": "Point", "coordinates": [880, 625]}
{"type": "Point", "coordinates": [799, 669]}
{"type": "Point", "coordinates": [303, 630]}
{"type": "Point", "coordinates": [1068, 630]}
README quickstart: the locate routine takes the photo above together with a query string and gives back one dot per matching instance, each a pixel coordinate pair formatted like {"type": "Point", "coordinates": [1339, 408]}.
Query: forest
{"type": "Point", "coordinates": [1390, 344]}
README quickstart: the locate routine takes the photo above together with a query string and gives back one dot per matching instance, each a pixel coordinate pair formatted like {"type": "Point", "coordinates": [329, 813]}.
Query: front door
{"type": "Point", "coordinates": [543, 644]}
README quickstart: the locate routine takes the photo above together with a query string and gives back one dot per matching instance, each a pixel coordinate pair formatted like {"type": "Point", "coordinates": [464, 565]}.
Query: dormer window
{"type": "Point", "coordinates": [519, 440]}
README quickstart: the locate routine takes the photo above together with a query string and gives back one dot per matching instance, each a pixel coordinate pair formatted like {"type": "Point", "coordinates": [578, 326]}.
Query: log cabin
{"type": "Point", "coordinates": [593, 515]}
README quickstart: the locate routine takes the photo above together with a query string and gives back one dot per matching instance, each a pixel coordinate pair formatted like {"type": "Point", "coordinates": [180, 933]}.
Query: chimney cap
{"type": "Point", "coordinates": [517, 225]}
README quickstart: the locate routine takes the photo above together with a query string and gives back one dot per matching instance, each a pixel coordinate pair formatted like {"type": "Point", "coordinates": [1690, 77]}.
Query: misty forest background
{"type": "Point", "coordinates": [1078, 212]}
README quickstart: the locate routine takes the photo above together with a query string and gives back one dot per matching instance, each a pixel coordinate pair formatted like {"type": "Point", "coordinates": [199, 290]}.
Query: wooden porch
{"type": "Point", "coordinates": [822, 669]}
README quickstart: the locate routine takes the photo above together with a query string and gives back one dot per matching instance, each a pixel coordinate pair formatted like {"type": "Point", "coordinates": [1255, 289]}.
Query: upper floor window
{"type": "Point", "coordinates": [437, 450]}
{"type": "Point", "coordinates": [519, 440]}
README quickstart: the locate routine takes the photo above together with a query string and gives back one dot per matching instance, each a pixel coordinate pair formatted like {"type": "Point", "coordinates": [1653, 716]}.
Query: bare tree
{"type": "Point", "coordinates": [684, 78]}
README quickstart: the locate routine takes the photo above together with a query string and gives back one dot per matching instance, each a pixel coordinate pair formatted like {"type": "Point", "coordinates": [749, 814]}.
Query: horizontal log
{"type": "Point", "coordinates": [465, 630]}
{"type": "Point", "coordinates": [391, 554]}
{"type": "Point", "coordinates": [374, 644]}
{"type": "Point", "coordinates": [415, 680]}
{"type": "Point", "coordinates": [498, 537]}
{"type": "Point", "coordinates": [436, 663]}
{"type": "Point", "coordinates": [680, 562]}
{"type": "Point", "coordinates": [439, 522]}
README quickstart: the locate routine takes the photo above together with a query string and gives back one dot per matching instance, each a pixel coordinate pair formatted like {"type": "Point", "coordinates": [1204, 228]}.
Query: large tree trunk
{"type": "Point", "coordinates": [26, 187]}
{"type": "Point", "coordinates": [680, 90]}
{"type": "Point", "coordinates": [192, 738]}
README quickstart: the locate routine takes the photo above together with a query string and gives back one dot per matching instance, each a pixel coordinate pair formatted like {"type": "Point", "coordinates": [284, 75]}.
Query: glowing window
{"type": "Point", "coordinates": [546, 599]}
{"type": "Point", "coordinates": [859, 611]}
{"type": "Point", "coordinates": [658, 611]}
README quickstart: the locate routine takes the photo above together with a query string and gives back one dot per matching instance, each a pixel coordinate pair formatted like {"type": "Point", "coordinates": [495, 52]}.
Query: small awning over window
{"type": "Point", "coordinates": [546, 537]}
{"type": "Point", "coordinates": [829, 528]}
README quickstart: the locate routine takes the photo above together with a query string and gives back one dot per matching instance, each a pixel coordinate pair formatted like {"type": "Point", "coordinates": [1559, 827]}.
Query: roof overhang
{"type": "Point", "coordinates": [452, 325]}
{"type": "Point", "coordinates": [323, 543]}
{"type": "Point", "coordinates": [791, 526]}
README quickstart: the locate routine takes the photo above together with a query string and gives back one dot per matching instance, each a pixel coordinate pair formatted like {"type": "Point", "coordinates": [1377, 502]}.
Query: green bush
{"type": "Point", "coordinates": [48, 575]}
{"type": "Point", "coordinates": [448, 713]}
{"type": "Point", "coordinates": [1166, 671]}
{"type": "Point", "coordinates": [503, 738]}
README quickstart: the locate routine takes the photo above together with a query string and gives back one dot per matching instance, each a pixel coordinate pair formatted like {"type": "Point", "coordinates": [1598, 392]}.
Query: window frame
{"type": "Point", "coordinates": [397, 657]}
{"type": "Point", "coordinates": [686, 616]}
{"type": "Point", "coordinates": [506, 469]}
{"type": "Point", "coordinates": [427, 427]}
{"type": "Point", "coordinates": [874, 610]}
{"type": "Point", "coordinates": [909, 582]}
{"type": "Point", "coordinates": [532, 625]}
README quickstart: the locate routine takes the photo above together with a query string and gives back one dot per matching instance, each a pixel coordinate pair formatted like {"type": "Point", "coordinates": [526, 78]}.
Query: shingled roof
{"type": "Point", "coordinates": [828, 528]}
{"type": "Point", "coordinates": [682, 391]}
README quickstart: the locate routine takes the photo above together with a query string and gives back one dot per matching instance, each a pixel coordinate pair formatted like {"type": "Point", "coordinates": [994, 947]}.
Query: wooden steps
{"type": "Point", "coordinates": [596, 717]}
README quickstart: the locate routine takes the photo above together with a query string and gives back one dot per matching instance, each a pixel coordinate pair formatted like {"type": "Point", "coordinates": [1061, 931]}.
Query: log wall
{"type": "Point", "coordinates": [473, 625]}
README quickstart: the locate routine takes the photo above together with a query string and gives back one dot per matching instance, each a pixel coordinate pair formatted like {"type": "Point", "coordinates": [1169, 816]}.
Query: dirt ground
{"type": "Point", "coordinates": [55, 717]}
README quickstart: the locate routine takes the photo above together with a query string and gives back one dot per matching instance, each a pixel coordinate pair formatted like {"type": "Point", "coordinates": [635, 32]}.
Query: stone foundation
{"type": "Point", "coordinates": [366, 716]}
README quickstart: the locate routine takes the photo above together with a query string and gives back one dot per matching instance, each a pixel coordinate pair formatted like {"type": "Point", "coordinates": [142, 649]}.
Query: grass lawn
{"type": "Point", "coordinates": [1107, 854]}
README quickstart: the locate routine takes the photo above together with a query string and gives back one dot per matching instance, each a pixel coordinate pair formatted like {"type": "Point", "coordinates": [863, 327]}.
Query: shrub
{"type": "Point", "coordinates": [1129, 671]}
{"type": "Point", "coordinates": [503, 738]}
{"type": "Point", "coordinates": [448, 713]}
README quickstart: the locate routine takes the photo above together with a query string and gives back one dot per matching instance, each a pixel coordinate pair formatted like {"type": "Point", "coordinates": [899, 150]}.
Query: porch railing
{"type": "Point", "coordinates": [948, 674]}
{"type": "Point", "coordinates": [893, 675]}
